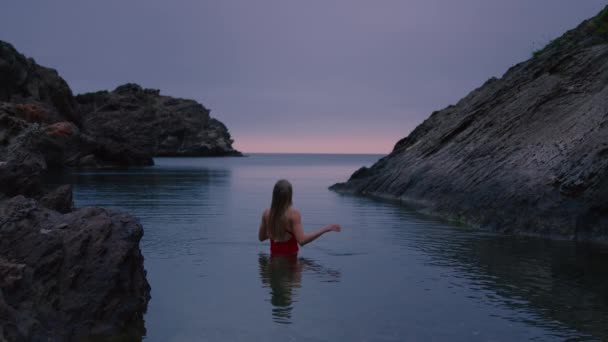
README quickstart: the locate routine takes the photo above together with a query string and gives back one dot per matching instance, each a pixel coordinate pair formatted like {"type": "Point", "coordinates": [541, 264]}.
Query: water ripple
{"type": "Point", "coordinates": [390, 275]}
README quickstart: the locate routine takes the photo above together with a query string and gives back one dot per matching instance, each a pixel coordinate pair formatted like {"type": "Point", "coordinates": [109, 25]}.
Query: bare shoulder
{"type": "Point", "coordinates": [294, 215]}
{"type": "Point", "coordinates": [265, 214]}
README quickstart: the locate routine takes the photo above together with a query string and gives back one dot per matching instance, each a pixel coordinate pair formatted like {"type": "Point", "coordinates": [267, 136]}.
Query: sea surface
{"type": "Point", "coordinates": [390, 275]}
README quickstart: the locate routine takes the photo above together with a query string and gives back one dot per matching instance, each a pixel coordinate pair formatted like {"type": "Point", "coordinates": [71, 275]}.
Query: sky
{"type": "Point", "coordinates": [315, 76]}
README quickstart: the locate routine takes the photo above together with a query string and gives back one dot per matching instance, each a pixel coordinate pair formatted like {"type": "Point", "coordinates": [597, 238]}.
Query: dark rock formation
{"type": "Point", "coordinates": [41, 89]}
{"type": "Point", "coordinates": [59, 199]}
{"type": "Point", "coordinates": [526, 153]}
{"type": "Point", "coordinates": [69, 276]}
{"type": "Point", "coordinates": [154, 124]}
{"type": "Point", "coordinates": [126, 127]}
{"type": "Point", "coordinates": [36, 98]}
{"type": "Point", "coordinates": [65, 274]}
{"type": "Point", "coordinates": [24, 153]}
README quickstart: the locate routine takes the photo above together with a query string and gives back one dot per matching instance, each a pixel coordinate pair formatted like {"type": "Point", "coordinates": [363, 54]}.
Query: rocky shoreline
{"type": "Point", "coordinates": [525, 154]}
{"type": "Point", "coordinates": [67, 273]}
{"type": "Point", "coordinates": [125, 127]}
{"type": "Point", "coordinates": [78, 273]}
{"type": "Point", "coordinates": [69, 276]}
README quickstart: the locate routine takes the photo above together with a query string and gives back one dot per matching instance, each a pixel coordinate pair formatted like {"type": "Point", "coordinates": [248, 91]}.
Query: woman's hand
{"type": "Point", "coordinates": [333, 228]}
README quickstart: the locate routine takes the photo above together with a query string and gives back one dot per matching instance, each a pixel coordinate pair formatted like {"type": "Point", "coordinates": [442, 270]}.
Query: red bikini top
{"type": "Point", "coordinates": [284, 247]}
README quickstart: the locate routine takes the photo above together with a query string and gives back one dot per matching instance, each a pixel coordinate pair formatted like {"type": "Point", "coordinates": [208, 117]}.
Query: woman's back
{"type": "Point", "coordinates": [287, 242]}
{"type": "Point", "coordinates": [282, 223]}
{"type": "Point", "coordinates": [284, 247]}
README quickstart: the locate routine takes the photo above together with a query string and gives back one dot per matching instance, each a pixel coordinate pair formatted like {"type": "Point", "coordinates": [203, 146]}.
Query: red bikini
{"type": "Point", "coordinates": [289, 247]}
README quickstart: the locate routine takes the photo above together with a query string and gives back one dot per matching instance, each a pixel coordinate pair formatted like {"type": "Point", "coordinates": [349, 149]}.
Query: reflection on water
{"type": "Point", "coordinates": [283, 275]}
{"type": "Point", "coordinates": [545, 283]}
{"type": "Point", "coordinates": [390, 275]}
{"type": "Point", "coordinates": [560, 282]}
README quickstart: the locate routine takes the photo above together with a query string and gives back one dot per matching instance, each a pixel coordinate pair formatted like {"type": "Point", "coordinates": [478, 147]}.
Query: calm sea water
{"type": "Point", "coordinates": [391, 275]}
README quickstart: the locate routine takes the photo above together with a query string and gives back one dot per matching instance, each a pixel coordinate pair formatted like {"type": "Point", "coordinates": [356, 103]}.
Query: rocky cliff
{"type": "Point", "coordinates": [526, 153]}
{"type": "Point", "coordinates": [69, 276]}
{"type": "Point", "coordinates": [65, 273]}
{"type": "Point", "coordinates": [22, 81]}
{"type": "Point", "coordinates": [36, 97]}
{"type": "Point", "coordinates": [126, 127]}
{"type": "Point", "coordinates": [154, 124]}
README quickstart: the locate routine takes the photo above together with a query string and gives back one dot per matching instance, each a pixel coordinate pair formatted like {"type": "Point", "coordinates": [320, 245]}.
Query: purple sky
{"type": "Point", "coordinates": [293, 76]}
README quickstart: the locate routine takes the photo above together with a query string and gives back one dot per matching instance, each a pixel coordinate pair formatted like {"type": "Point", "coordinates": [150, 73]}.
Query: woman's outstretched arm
{"type": "Point", "coordinates": [263, 232]}
{"type": "Point", "coordinates": [298, 230]}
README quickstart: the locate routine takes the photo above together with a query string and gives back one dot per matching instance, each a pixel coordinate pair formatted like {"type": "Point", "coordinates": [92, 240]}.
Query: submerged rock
{"type": "Point", "coordinates": [69, 276]}
{"type": "Point", "coordinates": [526, 153]}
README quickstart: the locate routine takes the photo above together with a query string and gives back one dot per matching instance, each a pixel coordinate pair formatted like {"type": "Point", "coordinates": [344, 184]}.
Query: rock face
{"type": "Point", "coordinates": [126, 127]}
{"type": "Point", "coordinates": [23, 81]}
{"type": "Point", "coordinates": [65, 274]}
{"type": "Point", "coordinates": [526, 153]}
{"type": "Point", "coordinates": [78, 274]}
{"type": "Point", "coordinates": [154, 124]}
{"type": "Point", "coordinates": [69, 276]}
{"type": "Point", "coordinates": [33, 97]}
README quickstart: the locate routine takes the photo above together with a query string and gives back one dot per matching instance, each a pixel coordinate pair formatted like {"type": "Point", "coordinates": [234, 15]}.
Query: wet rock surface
{"type": "Point", "coordinates": [526, 153]}
{"type": "Point", "coordinates": [69, 276]}
{"type": "Point", "coordinates": [65, 273]}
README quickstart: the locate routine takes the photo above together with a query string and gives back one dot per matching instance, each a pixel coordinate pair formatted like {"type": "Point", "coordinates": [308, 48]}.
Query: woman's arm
{"type": "Point", "coordinates": [303, 238]}
{"type": "Point", "coordinates": [263, 232]}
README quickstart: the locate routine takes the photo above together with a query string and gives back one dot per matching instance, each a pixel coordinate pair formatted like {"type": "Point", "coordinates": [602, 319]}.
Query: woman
{"type": "Point", "coordinates": [282, 223]}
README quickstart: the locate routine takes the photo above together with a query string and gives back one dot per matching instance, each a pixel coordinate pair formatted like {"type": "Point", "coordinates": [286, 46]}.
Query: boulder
{"type": "Point", "coordinates": [70, 276]}
{"type": "Point", "coordinates": [60, 199]}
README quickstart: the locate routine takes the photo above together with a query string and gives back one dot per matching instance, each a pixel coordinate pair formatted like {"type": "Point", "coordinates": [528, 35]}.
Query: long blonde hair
{"type": "Point", "coordinates": [281, 201]}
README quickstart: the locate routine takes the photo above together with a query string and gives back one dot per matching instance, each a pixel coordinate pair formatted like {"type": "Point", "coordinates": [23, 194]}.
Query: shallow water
{"type": "Point", "coordinates": [391, 275]}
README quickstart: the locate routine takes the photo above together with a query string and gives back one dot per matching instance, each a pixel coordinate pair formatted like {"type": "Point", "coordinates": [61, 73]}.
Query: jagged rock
{"type": "Point", "coordinates": [154, 124]}
{"type": "Point", "coordinates": [62, 129]}
{"type": "Point", "coordinates": [64, 274]}
{"type": "Point", "coordinates": [60, 199]}
{"type": "Point", "coordinates": [62, 144]}
{"type": "Point", "coordinates": [526, 153]}
{"type": "Point", "coordinates": [22, 162]}
{"type": "Point", "coordinates": [37, 88]}
{"type": "Point", "coordinates": [126, 127]}
{"type": "Point", "coordinates": [33, 95]}
{"type": "Point", "coordinates": [69, 276]}
{"type": "Point", "coordinates": [78, 274]}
